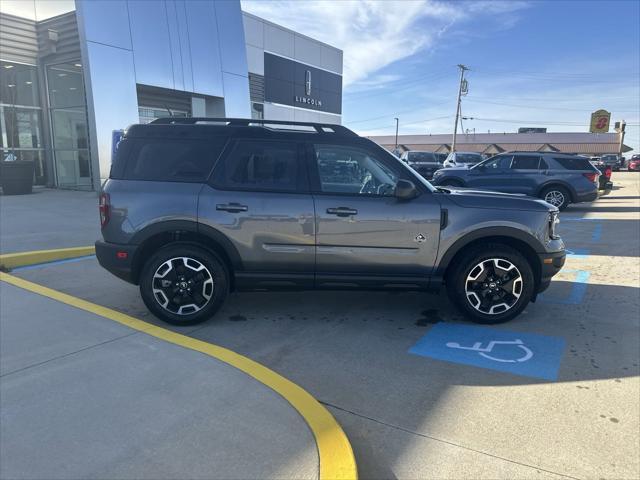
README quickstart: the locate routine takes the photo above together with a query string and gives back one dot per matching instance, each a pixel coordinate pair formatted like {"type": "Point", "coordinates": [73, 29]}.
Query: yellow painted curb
{"type": "Point", "coordinates": [334, 450]}
{"type": "Point", "coordinates": [13, 260]}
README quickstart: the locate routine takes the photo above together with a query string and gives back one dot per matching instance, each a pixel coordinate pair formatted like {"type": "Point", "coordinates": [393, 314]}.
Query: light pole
{"type": "Point", "coordinates": [397, 121]}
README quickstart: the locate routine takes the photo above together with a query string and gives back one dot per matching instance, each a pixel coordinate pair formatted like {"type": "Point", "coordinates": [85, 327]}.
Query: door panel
{"type": "Point", "coordinates": [272, 232]}
{"type": "Point", "coordinates": [494, 176]}
{"type": "Point", "coordinates": [259, 199]}
{"type": "Point", "coordinates": [384, 237]}
{"type": "Point", "coordinates": [361, 228]}
{"type": "Point", "coordinates": [525, 174]}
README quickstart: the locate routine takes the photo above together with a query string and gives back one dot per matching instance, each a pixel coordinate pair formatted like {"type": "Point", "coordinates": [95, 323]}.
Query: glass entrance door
{"type": "Point", "coordinates": [68, 113]}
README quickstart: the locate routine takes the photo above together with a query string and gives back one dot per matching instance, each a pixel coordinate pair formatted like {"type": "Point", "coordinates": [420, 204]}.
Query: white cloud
{"type": "Point", "coordinates": [373, 34]}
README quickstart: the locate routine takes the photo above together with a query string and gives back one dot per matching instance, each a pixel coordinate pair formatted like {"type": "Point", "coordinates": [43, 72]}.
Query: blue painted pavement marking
{"type": "Point", "coordinates": [578, 289]}
{"type": "Point", "coordinates": [55, 262]}
{"type": "Point", "coordinates": [578, 253]}
{"type": "Point", "coordinates": [525, 354]}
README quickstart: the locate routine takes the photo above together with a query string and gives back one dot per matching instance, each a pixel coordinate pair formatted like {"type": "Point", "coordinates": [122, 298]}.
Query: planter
{"type": "Point", "coordinates": [16, 178]}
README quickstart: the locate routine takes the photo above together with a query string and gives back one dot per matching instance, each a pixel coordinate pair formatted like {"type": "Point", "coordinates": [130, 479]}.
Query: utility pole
{"type": "Point", "coordinates": [397, 121]}
{"type": "Point", "coordinates": [462, 68]}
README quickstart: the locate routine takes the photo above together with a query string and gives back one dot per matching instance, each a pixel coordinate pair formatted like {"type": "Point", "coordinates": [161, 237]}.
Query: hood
{"type": "Point", "coordinates": [470, 198]}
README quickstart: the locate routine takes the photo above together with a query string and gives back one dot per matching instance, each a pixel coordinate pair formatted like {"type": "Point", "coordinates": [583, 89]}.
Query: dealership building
{"type": "Point", "coordinates": [73, 72]}
{"type": "Point", "coordinates": [582, 143]}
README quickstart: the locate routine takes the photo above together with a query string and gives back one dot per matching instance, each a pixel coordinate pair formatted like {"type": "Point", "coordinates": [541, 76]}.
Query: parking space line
{"type": "Point", "coordinates": [334, 450]}
{"type": "Point", "coordinates": [55, 262]}
{"type": "Point", "coordinates": [578, 289]}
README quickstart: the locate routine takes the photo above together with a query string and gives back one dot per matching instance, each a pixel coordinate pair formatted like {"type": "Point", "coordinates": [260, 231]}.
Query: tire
{"type": "Point", "coordinates": [469, 295]}
{"type": "Point", "coordinates": [451, 183]}
{"type": "Point", "coordinates": [557, 196]}
{"type": "Point", "coordinates": [184, 284]}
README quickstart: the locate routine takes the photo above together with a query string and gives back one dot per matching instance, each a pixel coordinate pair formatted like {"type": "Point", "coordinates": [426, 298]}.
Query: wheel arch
{"type": "Point", "coordinates": [521, 241]}
{"type": "Point", "coordinates": [161, 234]}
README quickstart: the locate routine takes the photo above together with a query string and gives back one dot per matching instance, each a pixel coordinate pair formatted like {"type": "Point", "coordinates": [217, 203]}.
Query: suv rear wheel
{"type": "Point", "coordinates": [184, 284]}
{"type": "Point", "coordinates": [491, 283]}
{"type": "Point", "coordinates": [556, 196]}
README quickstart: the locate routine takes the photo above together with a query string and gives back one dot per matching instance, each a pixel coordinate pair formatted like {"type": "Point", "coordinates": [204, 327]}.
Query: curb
{"type": "Point", "coordinates": [22, 259]}
{"type": "Point", "coordinates": [335, 454]}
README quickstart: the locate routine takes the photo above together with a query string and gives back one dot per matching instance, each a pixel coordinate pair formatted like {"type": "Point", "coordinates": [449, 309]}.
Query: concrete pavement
{"type": "Point", "coordinates": [84, 397]}
{"type": "Point", "coordinates": [48, 219]}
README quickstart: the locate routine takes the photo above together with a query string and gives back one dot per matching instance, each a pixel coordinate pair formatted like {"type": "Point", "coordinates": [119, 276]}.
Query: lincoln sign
{"type": "Point", "coordinates": [292, 83]}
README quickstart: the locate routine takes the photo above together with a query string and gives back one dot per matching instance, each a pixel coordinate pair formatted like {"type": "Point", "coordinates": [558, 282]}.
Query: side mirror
{"type": "Point", "coordinates": [405, 190]}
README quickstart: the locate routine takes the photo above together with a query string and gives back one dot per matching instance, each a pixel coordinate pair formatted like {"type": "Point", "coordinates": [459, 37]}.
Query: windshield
{"type": "Point", "coordinates": [468, 158]}
{"type": "Point", "coordinates": [421, 157]}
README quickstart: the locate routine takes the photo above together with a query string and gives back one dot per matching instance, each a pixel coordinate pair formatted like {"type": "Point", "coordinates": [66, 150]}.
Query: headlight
{"type": "Point", "coordinates": [554, 220]}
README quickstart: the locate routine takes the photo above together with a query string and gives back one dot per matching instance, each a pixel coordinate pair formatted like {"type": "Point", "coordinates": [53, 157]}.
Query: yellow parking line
{"type": "Point", "coordinates": [13, 260]}
{"type": "Point", "coordinates": [334, 450]}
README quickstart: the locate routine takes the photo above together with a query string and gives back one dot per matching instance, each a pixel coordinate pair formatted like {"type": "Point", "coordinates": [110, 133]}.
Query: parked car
{"type": "Point", "coordinates": [611, 160]}
{"type": "Point", "coordinates": [634, 163]}
{"type": "Point", "coordinates": [462, 159]}
{"type": "Point", "coordinates": [425, 163]}
{"type": "Point", "coordinates": [195, 208]}
{"type": "Point", "coordinates": [604, 180]}
{"type": "Point", "coordinates": [559, 179]}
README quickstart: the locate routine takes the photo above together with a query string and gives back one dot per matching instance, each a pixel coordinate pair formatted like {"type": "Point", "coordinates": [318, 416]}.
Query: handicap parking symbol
{"type": "Point", "coordinates": [526, 354]}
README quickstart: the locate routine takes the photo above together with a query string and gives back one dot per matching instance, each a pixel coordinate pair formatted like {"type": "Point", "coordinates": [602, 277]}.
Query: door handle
{"type": "Point", "coordinates": [232, 207]}
{"type": "Point", "coordinates": [342, 211]}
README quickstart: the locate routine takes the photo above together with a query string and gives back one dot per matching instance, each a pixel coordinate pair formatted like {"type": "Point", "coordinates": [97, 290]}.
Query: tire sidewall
{"type": "Point", "coordinates": [209, 259]}
{"type": "Point", "coordinates": [457, 280]}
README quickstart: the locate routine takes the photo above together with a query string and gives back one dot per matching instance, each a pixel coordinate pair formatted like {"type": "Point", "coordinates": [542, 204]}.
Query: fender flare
{"type": "Point", "coordinates": [486, 232]}
{"type": "Point", "coordinates": [190, 226]}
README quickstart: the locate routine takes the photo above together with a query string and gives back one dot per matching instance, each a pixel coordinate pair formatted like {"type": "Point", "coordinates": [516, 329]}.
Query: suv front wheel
{"type": "Point", "coordinates": [184, 284]}
{"type": "Point", "coordinates": [491, 283]}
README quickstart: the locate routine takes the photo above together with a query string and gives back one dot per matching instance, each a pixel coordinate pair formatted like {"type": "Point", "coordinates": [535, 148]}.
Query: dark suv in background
{"type": "Point", "coordinates": [425, 163]}
{"type": "Point", "coordinates": [559, 179]}
{"type": "Point", "coordinates": [196, 208]}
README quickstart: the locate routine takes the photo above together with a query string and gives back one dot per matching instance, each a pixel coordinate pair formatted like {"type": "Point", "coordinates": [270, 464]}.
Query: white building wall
{"type": "Point", "coordinates": [263, 36]}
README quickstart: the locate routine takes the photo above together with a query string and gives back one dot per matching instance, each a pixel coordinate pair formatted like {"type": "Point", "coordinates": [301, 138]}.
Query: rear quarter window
{"type": "Point", "coordinates": [172, 160]}
{"type": "Point", "coordinates": [574, 163]}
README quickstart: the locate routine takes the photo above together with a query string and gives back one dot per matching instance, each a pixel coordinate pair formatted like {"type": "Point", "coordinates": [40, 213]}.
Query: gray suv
{"type": "Point", "coordinates": [559, 179]}
{"type": "Point", "coordinates": [195, 208]}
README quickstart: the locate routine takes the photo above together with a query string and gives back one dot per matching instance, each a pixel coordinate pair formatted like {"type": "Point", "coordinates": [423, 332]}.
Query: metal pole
{"type": "Point", "coordinates": [455, 127]}
{"type": "Point", "coordinates": [397, 121]}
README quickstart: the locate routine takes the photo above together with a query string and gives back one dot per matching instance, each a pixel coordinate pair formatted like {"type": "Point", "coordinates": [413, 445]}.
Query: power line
{"type": "Point", "coordinates": [391, 114]}
{"type": "Point", "coordinates": [542, 107]}
{"type": "Point", "coordinates": [395, 87]}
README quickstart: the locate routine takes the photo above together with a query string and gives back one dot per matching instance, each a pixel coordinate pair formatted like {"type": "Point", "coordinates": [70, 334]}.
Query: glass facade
{"type": "Point", "coordinates": [69, 130]}
{"type": "Point", "coordinates": [148, 114]}
{"type": "Point", "coordinates": [21, 117]}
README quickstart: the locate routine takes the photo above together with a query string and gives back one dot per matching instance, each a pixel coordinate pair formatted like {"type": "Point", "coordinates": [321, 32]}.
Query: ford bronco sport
{"type": "Point", "coordinates": [195, 208]}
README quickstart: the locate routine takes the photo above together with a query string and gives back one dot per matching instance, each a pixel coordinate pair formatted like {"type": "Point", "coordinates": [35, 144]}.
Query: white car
{"type": "Point", "coordinates": [462, 159]}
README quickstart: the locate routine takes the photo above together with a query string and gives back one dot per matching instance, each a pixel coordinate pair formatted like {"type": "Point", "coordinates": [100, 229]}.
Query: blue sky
{"type": "Point", "coordinates": [533, 63]}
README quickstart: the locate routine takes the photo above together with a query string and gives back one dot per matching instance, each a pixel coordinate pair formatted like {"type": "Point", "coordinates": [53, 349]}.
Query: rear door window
{"type": "Point", "coordinates": [525, 162]}
{"type": "Point", "coordinates": [173, 160]}
{"type": "Point", "coordinates": [574, 163]}
{"type": "Point", "coordinates": [261, 166]}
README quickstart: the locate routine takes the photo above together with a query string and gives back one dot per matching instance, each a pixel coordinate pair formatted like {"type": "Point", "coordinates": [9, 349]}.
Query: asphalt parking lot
{"type": "Point", "coordinates": [411, 411]}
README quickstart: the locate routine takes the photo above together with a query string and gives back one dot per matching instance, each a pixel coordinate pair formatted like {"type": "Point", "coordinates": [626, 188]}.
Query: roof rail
{"type": "Point", "coordinates": [247, 122]}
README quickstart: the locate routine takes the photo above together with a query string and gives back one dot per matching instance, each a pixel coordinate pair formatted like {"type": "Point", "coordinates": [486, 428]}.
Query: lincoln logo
{"type": "Point", "coordinates": [307, 99]}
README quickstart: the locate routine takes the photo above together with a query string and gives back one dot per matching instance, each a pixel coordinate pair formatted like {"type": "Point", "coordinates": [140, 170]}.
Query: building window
{"type": "Point", "coordinates": [149, 114]}
{"type": "Point", "coordinates": [20, 117]}
{"type": "Point", "coordinates": [68, 112]}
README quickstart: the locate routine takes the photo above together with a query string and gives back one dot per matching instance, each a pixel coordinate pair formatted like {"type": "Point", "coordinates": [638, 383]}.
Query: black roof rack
{"type": "Point", "coordinates": [247, 122]}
